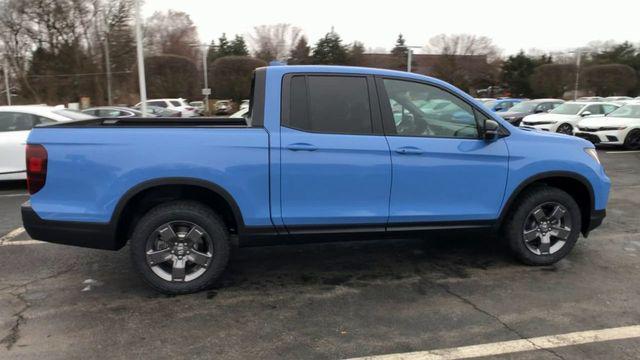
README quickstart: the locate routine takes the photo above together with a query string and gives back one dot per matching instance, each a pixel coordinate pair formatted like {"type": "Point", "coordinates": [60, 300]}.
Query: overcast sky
{"type": "Point", "coordinates": [513, 25]}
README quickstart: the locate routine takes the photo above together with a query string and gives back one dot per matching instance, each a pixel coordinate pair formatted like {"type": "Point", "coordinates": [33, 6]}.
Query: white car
{"type": "Point", "coordinates": [15, 124]}
{"type": "Point", "coordinates": [621, 127]}
{"type": "Point", "coordinates": [565, 117]}
{"type": "Point", "coordinates": [173, 104]}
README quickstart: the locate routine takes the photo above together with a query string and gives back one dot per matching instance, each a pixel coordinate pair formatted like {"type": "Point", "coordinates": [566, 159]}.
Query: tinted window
{"type": "Point", "coordinates": [424, 110]}
{"type": "Point", "coordinates": [595, 109]}
{"type": "Point", "coordinates": [12, 121]}
{"type": "Point", "coordinates": [157, 103]}
{"type": "Point", "coordinates": [175, 103]}
{"type": "Point", "coordinates": [330, 104]}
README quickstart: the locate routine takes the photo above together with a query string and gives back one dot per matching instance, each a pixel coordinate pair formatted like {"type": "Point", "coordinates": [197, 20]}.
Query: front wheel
{"type": "Point", "coordinates": [632, 141]}
{"type": "Point", "coordinates": [566, 129]}
{"type": "Point", "coordinates": [180, 247]}
{"type": "Point", "coordinates": [544, 226]}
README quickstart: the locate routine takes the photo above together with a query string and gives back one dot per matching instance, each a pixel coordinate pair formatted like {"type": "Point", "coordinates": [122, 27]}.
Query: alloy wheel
{"type": "Point", "coordinates": [565, 129]}
{"type": "Point", "coordinates": [179, 251]}
{"type": "Point", "coordinates": [547, 228]}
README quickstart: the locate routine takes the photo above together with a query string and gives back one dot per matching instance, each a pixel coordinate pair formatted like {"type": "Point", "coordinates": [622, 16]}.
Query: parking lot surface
{"type": "Point", "coordinates": [327, 301]}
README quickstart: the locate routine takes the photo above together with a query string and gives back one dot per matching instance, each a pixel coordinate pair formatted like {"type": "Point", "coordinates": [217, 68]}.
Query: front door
{"type": "Point", "coordinates": [335, 163]}
{"type": "Point", "coordinates": [442, 170]}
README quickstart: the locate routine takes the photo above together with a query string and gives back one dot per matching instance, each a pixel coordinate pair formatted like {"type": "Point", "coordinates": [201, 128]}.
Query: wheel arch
{"type": "Point", "coordinates": [140, 198]}
{"type": "Point", "coordinates": [576, 185]}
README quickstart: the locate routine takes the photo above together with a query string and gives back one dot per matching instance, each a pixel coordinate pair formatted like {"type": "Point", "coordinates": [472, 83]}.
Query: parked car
{"type": "Point", "coordinates": [501, 105]}
{"type": "Point", "coordinates": [160, 111]}
{"type": "Point", "coordinates": [199, 105]}
{"type": "Point", "coordinates": [620, 127]}
{"type": "Point", "coordinates": [319, 166]}
{"type": "Point", "coordinates": [15, 124]}
{"type": "Point", "coordinates": [617, 98]}
{"type": "Point", "coordinates": [112, 111]}
{"type": "Point", "coordinates": [223, 107]}
{"type": "Point", "coordinates": [522, 109]}
{"type": "Point", "coordinates": [565, 117]}
{"type": "Point", "coordinates": [591, 98]}
{"type": "Point", "coordinates": [180, 105]}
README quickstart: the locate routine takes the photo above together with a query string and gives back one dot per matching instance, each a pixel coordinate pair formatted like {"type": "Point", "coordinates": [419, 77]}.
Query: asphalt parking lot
{"type": "Point", "coordinates": [327, 301]}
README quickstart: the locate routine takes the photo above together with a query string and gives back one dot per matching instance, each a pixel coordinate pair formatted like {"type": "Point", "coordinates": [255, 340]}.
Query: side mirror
{"type": "Point", "coordinates": [491, 130]}
{"type": "Point", "coordinates": [585, 113]}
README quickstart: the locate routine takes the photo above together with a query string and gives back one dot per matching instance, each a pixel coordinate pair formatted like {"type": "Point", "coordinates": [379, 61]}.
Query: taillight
{"type": "Point", "coordinates": [36, 167]}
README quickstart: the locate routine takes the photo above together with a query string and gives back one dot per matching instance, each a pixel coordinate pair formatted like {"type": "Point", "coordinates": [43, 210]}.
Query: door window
{"type": "Point", "coordinates": [14, 121]}
{"type": "Point", "coordinates": [330, 104]}
{"type": "Point", "coordinates": [425, 110]}
{"type": "Point", "coordinates": [157, 103]}
{"type": "Point", "coordinates": [595, 109]}
{"type": "Point", "coordinates": [608, 108]}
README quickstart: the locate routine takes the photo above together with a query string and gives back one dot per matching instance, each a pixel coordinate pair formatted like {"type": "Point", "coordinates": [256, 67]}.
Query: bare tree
{"type": "Point", "coordinates": [463, 44]}
{"type": "Point", "coordinates": [171, 32]}
{"type": "Point", "coordinates": [274, 42]}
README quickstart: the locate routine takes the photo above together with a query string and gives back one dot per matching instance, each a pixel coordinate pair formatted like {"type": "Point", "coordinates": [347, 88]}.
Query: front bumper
{"type": "Point", "coordinates": [601, 137]}
{"type": "Point", "coordinates": [76, 233]}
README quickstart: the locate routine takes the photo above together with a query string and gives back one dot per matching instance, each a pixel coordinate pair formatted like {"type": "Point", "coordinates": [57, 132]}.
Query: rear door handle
{"type": "Point", "coordinates": [409, 150]}
{"type": "Point", "coordinates": [302, 147]}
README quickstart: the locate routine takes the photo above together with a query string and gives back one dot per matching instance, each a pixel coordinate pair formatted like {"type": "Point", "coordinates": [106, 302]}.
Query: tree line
{"type": "Point", "coordinates": [61, 50]}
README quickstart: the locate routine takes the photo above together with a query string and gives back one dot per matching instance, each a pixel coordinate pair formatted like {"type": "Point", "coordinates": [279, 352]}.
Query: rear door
{"type": "Point", "coordinates": [335, 163]}
{"type": "Point", "coordinates": [442, 170]}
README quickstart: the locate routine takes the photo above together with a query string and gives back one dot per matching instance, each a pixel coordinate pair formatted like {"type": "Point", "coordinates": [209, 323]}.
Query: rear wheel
{"type": "Point", "coordinates": [180, 247]}
{"type": "Point", "coordinates": [565, 129]}
{"type": "Point", "coordinates": [544, 226]}
{"type": "Point", "coordinates": [632, 141]}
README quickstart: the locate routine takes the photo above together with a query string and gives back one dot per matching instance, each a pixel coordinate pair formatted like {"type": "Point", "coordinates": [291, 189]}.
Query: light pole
{"type": "Point", "coordinates": [140, 52]}
{"type": "Point", "coordinates": [5, 69]}
{"type": "Point", "coordinates": [578, 53]}
{"type": "Point", "coordinates": [205, 91]}
{"type": "Point", "coordinates": [410, 55]}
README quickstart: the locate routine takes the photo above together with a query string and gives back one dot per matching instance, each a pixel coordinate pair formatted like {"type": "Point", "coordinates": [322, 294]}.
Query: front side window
{"type": "Point", "coordinates": [595, 109]}
{"type": "Point", "coordinates": [157, 103]}
{"type": "Point", "coordinates": [330, 104]}
{"type": "Point", "coordinates": [175, 103]}
{"type": "Point", "coordinates": [425, 110]}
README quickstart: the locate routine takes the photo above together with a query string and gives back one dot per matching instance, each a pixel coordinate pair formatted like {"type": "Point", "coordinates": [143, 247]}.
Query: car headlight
{"type": "Point", "coordinates": [605, 128]}
{"type": "Point", "coordinates": [593, 153]}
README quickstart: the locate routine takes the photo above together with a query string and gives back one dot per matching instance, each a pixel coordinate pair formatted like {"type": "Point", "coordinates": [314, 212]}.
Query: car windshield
{"type": "Point", "coordinates": [525, 106]}
{"type": "Point", "coordinates": [567, 109]}
{"type": "Point", "coordinates": [628, 111]}
{"type": "Point", "coordinates": [73, 114]}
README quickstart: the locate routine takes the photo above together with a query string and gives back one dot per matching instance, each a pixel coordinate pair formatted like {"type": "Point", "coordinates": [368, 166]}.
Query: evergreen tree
{"type": "Point", "coordinates": [212, 54]}
{"type": "Point", "coordinates": [400, 52]}
{"type": "Point", "coordinates": [238, 47]}
{"type": "Point", "coordinates": [330, 51]}
{"type": "Point", "coordinates": [224, 48]}
{"type": "Point", "coordinates": [356, 54]}
{"type": "Point", "coordinates": [300, 54]}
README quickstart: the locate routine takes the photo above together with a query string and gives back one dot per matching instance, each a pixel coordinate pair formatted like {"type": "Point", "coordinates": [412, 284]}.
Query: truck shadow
{"type": "Point", "coordinates": [358, 263]}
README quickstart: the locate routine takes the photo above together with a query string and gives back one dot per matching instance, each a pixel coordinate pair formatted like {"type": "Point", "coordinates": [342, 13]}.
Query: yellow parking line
{"type": "Point", "coordinates": [514, 346]}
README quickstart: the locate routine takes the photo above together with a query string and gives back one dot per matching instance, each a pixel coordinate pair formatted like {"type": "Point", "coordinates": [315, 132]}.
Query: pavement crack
{"type": "Point", "coordinates": [448, 290]}
{"type": "Point", "coordinates": [14, 333]}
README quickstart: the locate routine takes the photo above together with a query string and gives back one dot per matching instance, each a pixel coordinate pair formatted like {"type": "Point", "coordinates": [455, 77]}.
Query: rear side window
{"type": "Point", "coordinates": [175, 103]}
{"type": "Point", "coordinates": [330, 104]}
{"type": "Point", "coordinates": [13, 121]}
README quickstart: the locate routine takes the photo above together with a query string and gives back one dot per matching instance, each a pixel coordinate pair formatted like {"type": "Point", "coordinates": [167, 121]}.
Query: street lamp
{"type": "Point", "coordinates": [206, 91]}
{"type": "Point", "coordinates": [410, 55]}
{"type": "Point", "coordinates": [5, 69]}
{"type": "Point", "coordinates": [578, 53]}
{"type": "Point", "coordinates": [140, 54]}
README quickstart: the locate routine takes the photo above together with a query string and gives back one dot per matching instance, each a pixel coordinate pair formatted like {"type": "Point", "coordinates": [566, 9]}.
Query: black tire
{"type": "Point", "coordinates": [188, 211]}
{"type": "Point", "coordinates": [514, 225]}
{"type": "Point", "coordinates": [632, 141]}
{"type": "Point", "coordinates": [565, 128]}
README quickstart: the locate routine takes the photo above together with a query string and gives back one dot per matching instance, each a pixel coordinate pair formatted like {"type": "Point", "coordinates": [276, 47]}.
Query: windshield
{"type": "Point", "coordinates": [525, 106]}
{"type": "Point", "coordinates": [628, 111]}
{"type": "Point", "coordinates": [73, 114]}
{"type": "Point", "coordinates": [567, 109]}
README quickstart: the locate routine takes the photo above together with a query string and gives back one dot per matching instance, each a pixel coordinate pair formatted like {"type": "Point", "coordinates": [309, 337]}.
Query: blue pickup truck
{"type": "Point", "coordinates": [324, 152]}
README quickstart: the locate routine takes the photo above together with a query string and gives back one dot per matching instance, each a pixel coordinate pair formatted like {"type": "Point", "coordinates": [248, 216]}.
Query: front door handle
{"type": "Point", "coordinates": [409, 150]}
{"type": "Point", "coordinates": [302, 147]}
